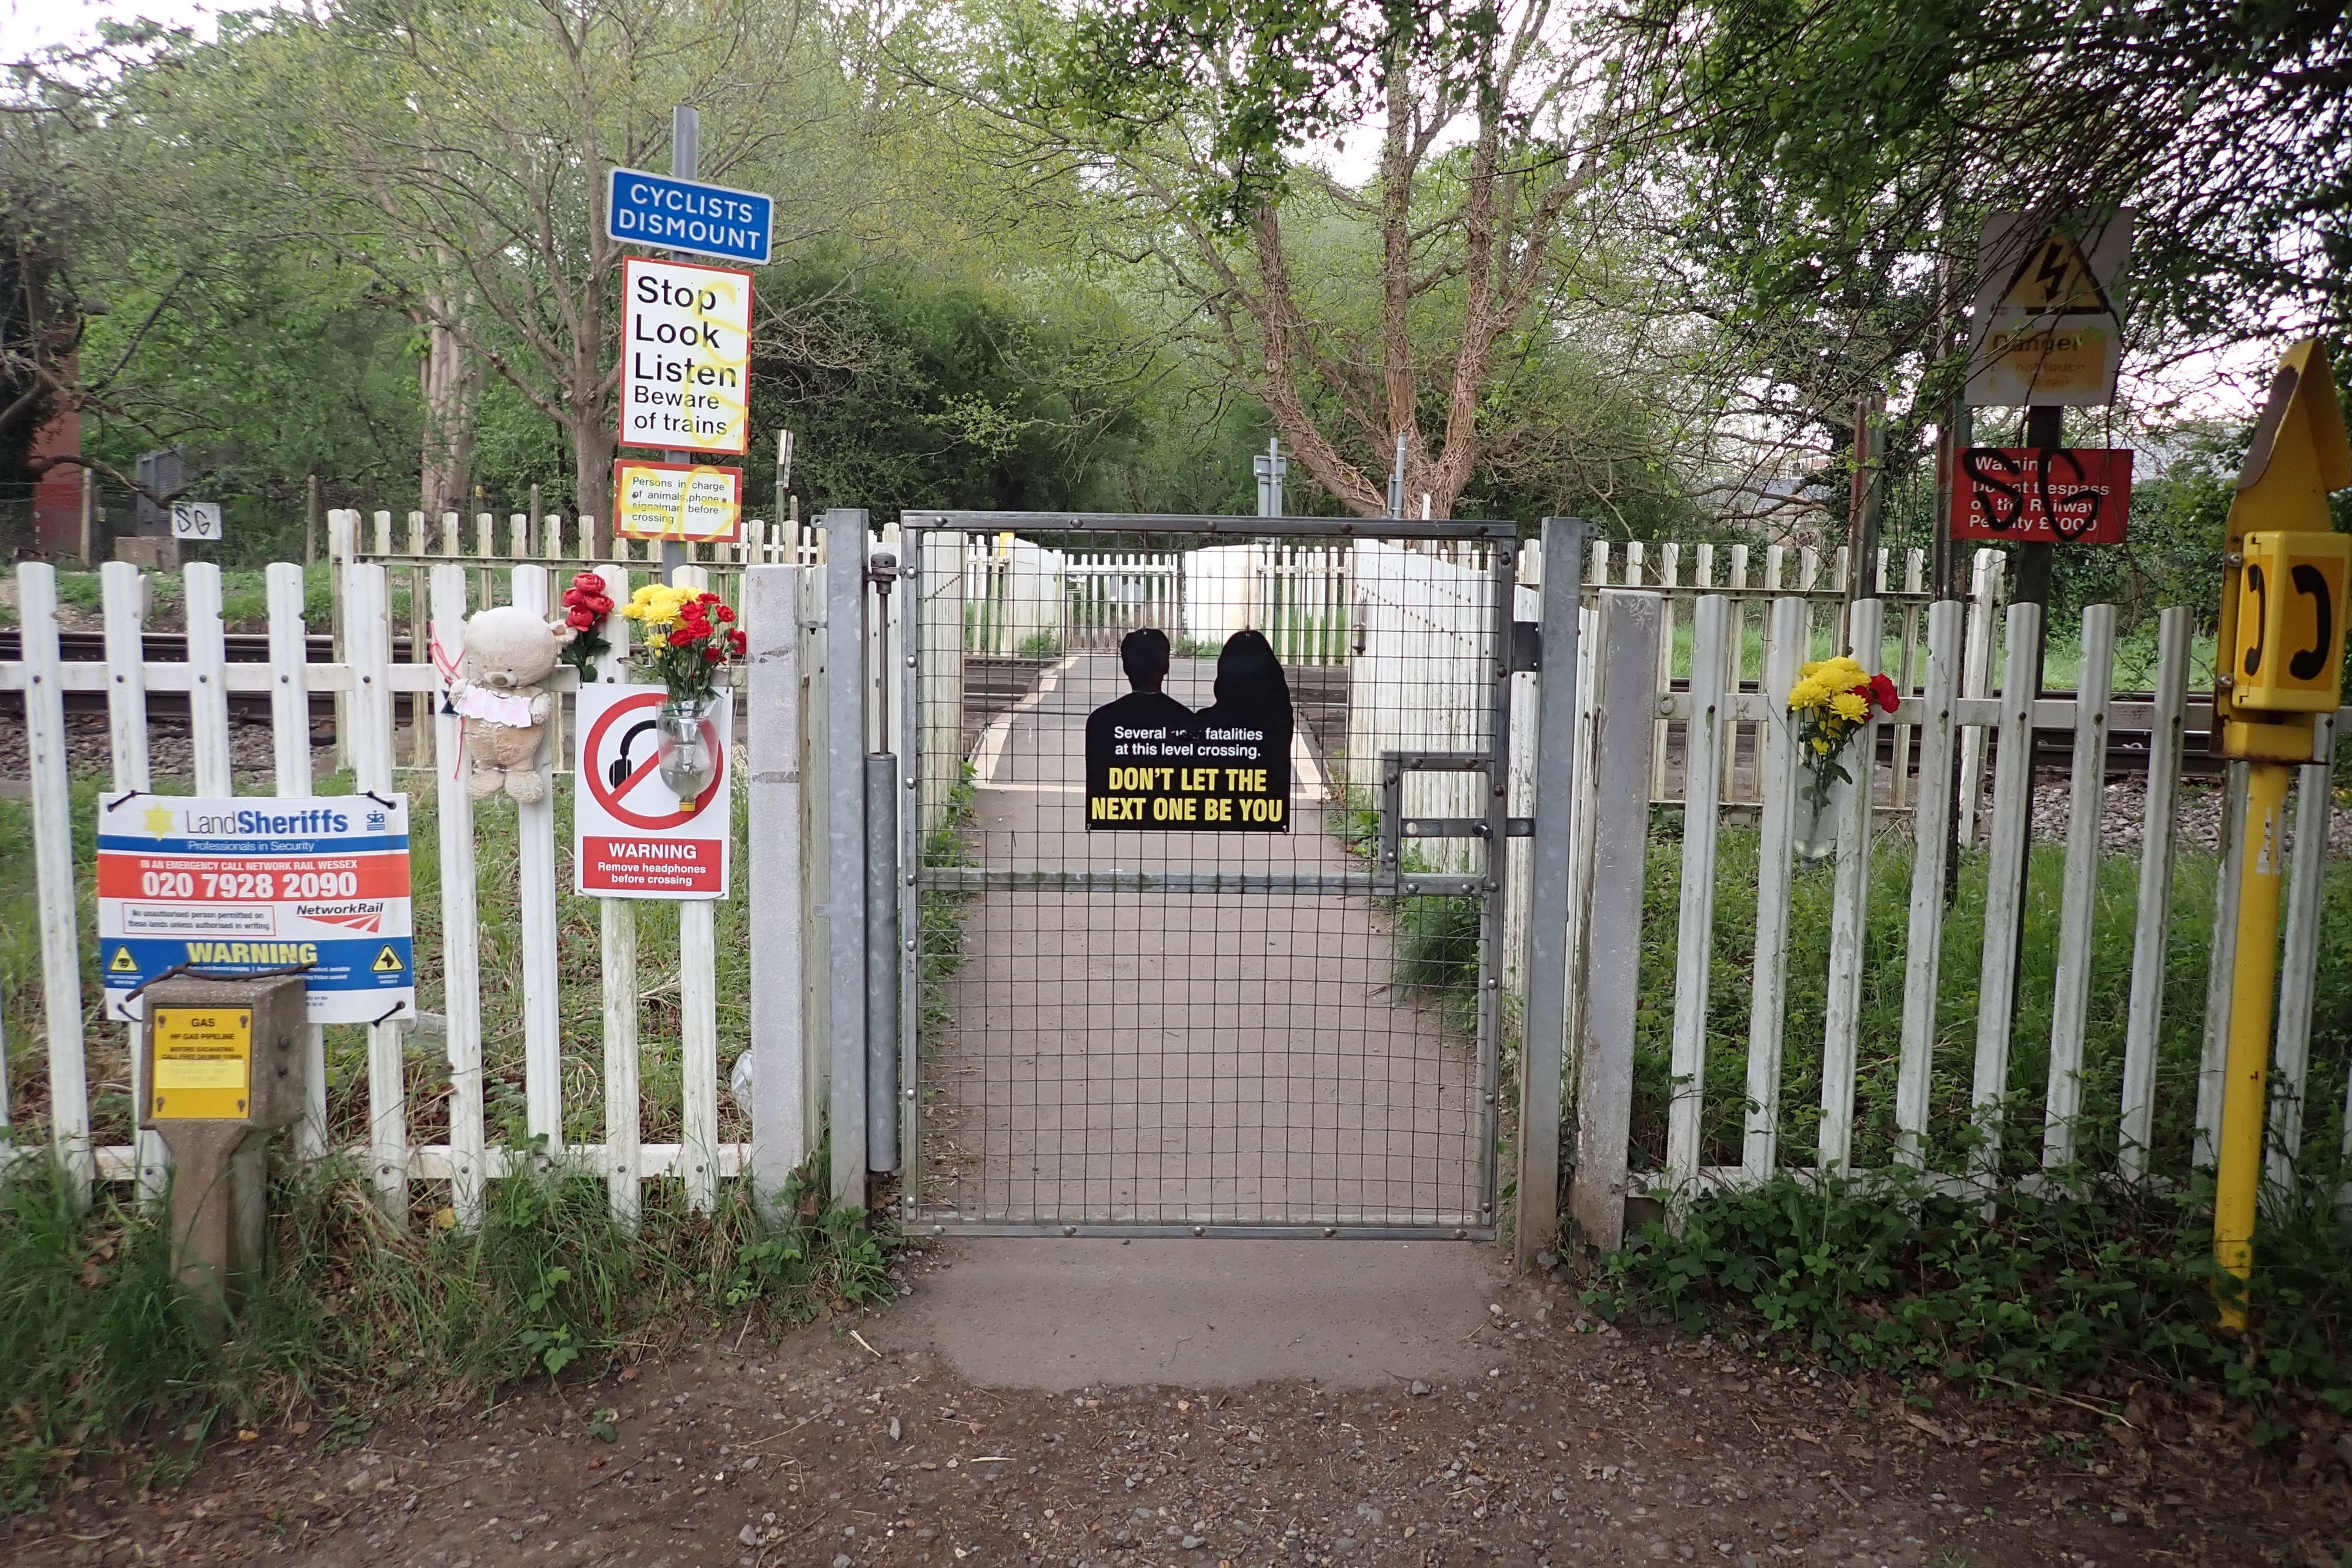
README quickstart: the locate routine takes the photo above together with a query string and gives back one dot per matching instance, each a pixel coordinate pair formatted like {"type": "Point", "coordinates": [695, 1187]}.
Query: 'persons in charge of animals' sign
{"type": "Point", "coordinates": [686, 356]}
{"type": "Point", "coordinates": [1153, 763]}
{"type": "Point", "coordinates": [232, 886]}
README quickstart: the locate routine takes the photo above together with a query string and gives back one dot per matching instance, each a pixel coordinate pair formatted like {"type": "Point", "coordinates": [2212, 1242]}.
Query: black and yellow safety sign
{"type": "Point", "coordinates": [388, 961]}
{"type": "Point", "coordinates": [204, 1064]}
{"type": "Point", "coordinates": [1154, 764]}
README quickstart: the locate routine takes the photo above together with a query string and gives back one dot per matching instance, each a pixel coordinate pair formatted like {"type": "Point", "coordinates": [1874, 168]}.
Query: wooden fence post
{"type": "Point", "coordinates": [1627, 699]}
{"type": "Point", "coordinates": [782, 1130]}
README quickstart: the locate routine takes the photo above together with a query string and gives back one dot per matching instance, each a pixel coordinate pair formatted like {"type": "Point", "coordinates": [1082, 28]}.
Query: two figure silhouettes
{"type": "Point", "coordinates": [1248, 725]}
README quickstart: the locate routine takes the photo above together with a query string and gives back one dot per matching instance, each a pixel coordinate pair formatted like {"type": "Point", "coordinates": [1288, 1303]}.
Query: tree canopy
{"type": "Point", "coordinates": [1637, 260]}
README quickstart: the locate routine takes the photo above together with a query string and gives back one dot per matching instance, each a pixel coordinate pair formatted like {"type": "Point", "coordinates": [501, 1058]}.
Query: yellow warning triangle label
{"type": "Point", "coordinates": [123, 963]}
{"type": "Point", "coordinates": [388, 963]}
{"type": "Point", "coordinates": [2055, 278]}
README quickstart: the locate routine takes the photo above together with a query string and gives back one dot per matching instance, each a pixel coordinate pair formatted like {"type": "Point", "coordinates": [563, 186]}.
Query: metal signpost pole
{"type": "Point", "coordinates": [685, 154]}
{"type": "Point", "coordinates": [2044, 427]}
{"type": "Point", "coordinates": [1272, 469]}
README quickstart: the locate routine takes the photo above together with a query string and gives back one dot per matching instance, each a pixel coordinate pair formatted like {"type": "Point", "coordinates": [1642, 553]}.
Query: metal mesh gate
{"type": "Point", "coordinates": [1134, 1032]}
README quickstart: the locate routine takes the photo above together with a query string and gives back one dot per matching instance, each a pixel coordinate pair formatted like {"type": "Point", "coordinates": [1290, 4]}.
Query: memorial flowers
{"type": "Point", "coordinates": [585, 605]}
{"type": "Point", "coordinates": [1830, 702]}
{"type": "Point", "coordinates": [689, 636]}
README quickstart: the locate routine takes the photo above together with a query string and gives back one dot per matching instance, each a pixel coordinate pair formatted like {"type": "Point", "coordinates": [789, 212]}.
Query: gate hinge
{"type": "Point", "coordinates": [1527, 647]}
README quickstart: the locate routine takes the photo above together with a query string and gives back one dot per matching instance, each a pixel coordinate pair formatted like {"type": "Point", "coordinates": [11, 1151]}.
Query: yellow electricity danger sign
{"type": "Point", "coordinates": [203, 1064]}
{"type": "Point", "coordinates": [2290, 655]}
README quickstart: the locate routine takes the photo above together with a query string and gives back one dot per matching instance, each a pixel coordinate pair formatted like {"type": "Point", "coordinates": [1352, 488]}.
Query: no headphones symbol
{"type": "Point", "coordinates": [617, 756]}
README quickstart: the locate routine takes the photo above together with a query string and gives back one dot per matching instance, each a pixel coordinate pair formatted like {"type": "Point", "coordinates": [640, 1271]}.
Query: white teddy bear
{"type": "Point", "coordinates": [500, 693]}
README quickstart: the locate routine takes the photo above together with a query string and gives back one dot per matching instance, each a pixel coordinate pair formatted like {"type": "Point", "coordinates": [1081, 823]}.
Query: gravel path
{"type": "Point", "coordinates": [1579, 1444]}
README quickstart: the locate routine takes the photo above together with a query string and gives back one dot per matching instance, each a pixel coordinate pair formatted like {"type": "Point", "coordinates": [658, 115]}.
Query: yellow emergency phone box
{"type": "Point", "coordinates": [2290, 621]}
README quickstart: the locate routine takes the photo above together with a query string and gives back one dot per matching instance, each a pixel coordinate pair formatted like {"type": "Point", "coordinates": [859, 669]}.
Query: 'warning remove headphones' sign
{"type": "Point", "coordinates": [632, 836]}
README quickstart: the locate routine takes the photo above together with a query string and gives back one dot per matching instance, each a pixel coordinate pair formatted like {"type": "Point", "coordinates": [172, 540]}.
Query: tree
{"type": "Point", "coordinates": [1829, 164]}
{"type": "Point", "coordinates": [456, 152]}
{"type": "Point", "coordinates": [1357, 317]}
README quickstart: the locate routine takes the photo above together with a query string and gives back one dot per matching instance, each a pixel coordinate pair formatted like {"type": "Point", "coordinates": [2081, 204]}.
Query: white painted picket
{"type": "Point", "coordinates": [370, 685]}
{"type": "Point", "coordinates": [1940, 721]}
{"type": "Point", "coordinates": [1414, 628]}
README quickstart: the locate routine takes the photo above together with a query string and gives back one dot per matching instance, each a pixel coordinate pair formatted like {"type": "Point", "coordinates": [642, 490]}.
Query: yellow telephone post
{"type": "Point", "coordinates": [2282, 611]}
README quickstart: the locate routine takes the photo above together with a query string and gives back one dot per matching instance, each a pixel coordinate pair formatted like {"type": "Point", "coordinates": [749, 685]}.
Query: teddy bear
{"type": "Point", "coordinates": [500, 693]}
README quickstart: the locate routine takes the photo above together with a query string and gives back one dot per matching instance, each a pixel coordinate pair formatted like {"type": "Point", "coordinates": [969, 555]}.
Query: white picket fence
{"type": "Point", "coordinates": [1416, 628]}
{"type": "Point", "coordinates": [1945, 717]}
{"type": "Point", "coordinates": [371, 686]}
{"type": "Point", "coordinates": [1019, 594]}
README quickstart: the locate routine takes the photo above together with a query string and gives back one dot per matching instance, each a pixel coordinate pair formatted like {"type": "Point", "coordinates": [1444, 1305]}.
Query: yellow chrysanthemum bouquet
{"type": "Point", "coordinates": [1830, 702]}
{"type": "Point", "coordinates": [688, 636]}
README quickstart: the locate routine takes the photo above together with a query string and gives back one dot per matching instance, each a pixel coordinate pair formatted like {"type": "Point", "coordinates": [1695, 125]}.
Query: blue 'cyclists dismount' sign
{"type": "Point", "coordinates": [683, 215]}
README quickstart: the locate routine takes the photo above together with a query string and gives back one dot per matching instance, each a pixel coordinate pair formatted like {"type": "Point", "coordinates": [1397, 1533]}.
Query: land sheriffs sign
{"type": "Point", "coordinates": [2042, 495]}
{"type": "Point", "coordinates": [222, 887]}
{"type": "Point", "coordinates": [632, 836]}
{"type": "Point", "coordinates": [2046, 326]}
{"type": "Point", "coordinates": [686, 356]}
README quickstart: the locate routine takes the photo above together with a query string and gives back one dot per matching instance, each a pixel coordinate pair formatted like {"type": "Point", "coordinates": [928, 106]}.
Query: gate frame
{"type": "Point", "coordinates": [1495, 827]}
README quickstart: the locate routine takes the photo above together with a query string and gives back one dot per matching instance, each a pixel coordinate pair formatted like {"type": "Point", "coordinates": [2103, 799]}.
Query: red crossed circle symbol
{"type": "Point", "coordinates": [610, 798]}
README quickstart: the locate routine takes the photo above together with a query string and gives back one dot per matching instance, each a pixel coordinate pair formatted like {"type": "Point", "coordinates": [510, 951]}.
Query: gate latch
{"type": "Point", "coordinates": [1527, 647]}
{"type": "Point", "coordinates": [1394, 829]}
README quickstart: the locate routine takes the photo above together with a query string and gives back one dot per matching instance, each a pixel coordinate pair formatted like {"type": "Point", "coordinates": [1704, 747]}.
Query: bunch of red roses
{"type": "Point", "coordinates": [585, 605]}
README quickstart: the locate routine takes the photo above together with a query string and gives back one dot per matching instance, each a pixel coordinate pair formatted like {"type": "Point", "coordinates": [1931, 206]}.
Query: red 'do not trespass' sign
{"type": "Point", "coordinates": [2042, 495]}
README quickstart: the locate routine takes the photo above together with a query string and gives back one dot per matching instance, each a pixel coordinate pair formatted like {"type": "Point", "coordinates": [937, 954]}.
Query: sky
{"type": "Point", "coordinates": [29, 25]}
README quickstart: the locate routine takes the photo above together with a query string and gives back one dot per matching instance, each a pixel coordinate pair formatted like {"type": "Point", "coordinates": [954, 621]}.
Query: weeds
{"type": "Point", "coordinates": [941, 913]}
{"type": "Point", "coordinates": [1892, 1275]}
{"type": "Point", "coordinates": [1437, 956]}
{"type": "Point", "coordinates": [105, 1356]}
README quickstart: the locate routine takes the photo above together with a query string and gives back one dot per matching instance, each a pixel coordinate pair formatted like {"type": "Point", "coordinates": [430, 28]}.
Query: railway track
{"type": "Point", "coordinates": [991, 684]}
{"type": "Point", "coordinates": [172, 648]}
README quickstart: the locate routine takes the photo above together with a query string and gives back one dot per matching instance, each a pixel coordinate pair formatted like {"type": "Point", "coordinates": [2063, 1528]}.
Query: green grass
{"type": "Point", "coordinates": [949, 844]}
{"type": "Point", "coordinates": [357, 1319]}
{"type": "Point", "coordinates": [1731, 994]}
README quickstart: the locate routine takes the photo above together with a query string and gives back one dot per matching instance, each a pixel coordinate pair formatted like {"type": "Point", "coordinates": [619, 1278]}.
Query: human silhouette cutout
{"type": "Point", "coordinates": [1251, 710]}
{"type": "Point", "coordinates": [1144, 724]}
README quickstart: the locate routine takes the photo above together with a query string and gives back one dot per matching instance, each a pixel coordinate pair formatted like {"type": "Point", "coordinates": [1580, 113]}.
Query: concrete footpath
{"type": "Point", "coordinates": [1072, 1313]}
{"type": "Point", "coordinates": [1179, 1058]}
{"type": "Point", "coordinates": [1183, 1058]}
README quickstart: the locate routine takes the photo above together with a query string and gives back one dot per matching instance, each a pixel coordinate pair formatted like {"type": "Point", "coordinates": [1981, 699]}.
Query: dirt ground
{"type": "Point", "coordinates": [1581, 1443]}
